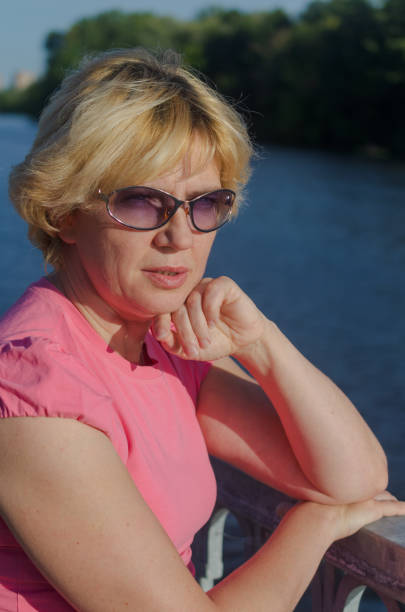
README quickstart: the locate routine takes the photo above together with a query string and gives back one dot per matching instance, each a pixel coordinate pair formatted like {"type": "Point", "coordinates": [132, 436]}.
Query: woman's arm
{"type": "Point", "coordinates": [72, 505]}
{"type": "Point", "coordinates": [316, 446]}
{"type": "Point", "coordinates": [293, 552]}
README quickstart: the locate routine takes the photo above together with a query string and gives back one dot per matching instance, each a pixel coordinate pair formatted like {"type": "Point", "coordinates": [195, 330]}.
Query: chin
{"type": "Point", "coordinates": [136, 311]}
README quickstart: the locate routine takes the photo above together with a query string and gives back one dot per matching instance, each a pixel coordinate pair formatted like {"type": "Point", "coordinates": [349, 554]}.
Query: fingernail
{"type": "Point", "coordinates": [205, 342]}
{"type": "Point", "coordinates": [211, 324]}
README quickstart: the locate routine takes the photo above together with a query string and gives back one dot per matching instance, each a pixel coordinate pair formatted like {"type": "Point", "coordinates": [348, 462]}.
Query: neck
{"type": "Point", "coordinates": [124, 336]}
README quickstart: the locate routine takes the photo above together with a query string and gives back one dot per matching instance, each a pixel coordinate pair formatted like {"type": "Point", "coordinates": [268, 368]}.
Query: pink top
{"type": "Point", "coordinates": [53, 363]}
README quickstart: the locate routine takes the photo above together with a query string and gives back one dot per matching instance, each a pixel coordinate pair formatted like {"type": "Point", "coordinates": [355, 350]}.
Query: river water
{"type": "Point", "coordinates": [319, 246]}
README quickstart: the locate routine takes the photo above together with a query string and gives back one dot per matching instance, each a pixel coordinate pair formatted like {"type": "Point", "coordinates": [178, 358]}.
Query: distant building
{"type": "Point", "coordinates": [22, 79]}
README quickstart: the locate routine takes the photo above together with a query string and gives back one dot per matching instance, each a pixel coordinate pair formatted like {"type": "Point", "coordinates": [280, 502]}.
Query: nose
{"type": "Point", "coordinates": [177, 233]}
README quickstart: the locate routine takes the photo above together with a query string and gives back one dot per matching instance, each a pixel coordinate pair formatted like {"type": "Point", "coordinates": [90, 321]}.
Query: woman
{"type": "Point", "coordinates": [135, 167]}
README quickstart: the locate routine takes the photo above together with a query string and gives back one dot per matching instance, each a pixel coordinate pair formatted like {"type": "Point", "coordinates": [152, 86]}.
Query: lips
{"type": "Point", "coordinates": [167, 277]}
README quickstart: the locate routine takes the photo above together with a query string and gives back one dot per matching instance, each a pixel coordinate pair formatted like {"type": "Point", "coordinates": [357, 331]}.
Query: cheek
{"type": "Point", "coordinates": [204, 248]}
{"type": "Point", "coordinates": [94, 252]}
{"type": "Point", "coordinates": [107, 256]}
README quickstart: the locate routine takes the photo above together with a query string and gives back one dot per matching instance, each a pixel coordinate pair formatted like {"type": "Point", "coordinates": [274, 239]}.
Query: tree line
{"type": "Point", "coordinates": [332, 78]}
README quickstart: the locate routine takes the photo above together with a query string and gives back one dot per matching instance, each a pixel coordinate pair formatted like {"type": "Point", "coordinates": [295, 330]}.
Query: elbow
{"type": "Point", "coordinates": [376, 480]}
{"type": "Point", "coordinates": [356, 482]}
{"type": "Point", "coordinates": [381, 477]}
{"type": "Point", "coordinates": [364, 483]}
{"type": "Point", "coordinates": [366, 490]}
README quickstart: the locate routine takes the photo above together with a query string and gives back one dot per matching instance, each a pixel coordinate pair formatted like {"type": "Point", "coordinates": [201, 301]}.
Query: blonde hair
{"type": "Point", "coordinates": [124, 115]}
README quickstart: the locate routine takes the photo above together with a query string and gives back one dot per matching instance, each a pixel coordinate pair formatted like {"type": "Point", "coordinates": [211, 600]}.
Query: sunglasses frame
{"type": "Point", "coordinates": [188, 207]}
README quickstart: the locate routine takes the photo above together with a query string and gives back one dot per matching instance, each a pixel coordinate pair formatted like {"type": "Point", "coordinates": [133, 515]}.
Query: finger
{"type": "Point", "coordinates": [162, 326]}
{"type": "Point", "coordinates": [185, 333]}
{"type": "Point", "coordinates": [394, 505]}
{"type": "Point", "coordinates": [197, 319]}
{"type": "Point", "coordinates": [392, 508]}
{"type": "Point", "coordinates": [384, 507]}
{"type": "Point", "coordinates": [385, 495]}
{"type": "Point", "coordinates": [212, 300]}
{"type": "Point", "coordinates": [165, 332]}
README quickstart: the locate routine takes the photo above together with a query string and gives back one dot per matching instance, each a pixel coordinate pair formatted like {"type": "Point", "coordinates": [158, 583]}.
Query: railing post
{"type": "Point", "coordinates": [349, 594]}
{"type": "Point", "coordinates": [214, 566]}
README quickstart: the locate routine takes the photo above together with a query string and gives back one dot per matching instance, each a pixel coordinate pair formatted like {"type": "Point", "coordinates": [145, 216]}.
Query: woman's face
{"type": "Point", "coordinates": [139, 274]}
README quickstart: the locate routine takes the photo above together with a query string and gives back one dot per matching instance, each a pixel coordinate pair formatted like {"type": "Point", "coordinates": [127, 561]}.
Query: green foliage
{"type": "Point", "coordinates": [332, 78]}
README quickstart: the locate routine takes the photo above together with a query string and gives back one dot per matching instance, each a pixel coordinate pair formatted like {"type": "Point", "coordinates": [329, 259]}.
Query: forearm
{"type": "Point", "coordinates": [277, 576]}
{"type": "Point", "coordinates": [335, 448]}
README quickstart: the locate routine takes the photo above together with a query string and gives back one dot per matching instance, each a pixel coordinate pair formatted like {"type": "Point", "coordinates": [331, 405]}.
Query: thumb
{"type": "Point", "coordinates": [165, 332]}
{"type": "Point", "coordinates": [162, 327]}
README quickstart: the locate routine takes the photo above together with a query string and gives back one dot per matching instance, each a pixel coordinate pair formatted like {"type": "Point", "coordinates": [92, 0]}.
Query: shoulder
{"type": "Point", "coordinates": [38, 312]}
{"type": "Point", "coordinates": [38, 378]}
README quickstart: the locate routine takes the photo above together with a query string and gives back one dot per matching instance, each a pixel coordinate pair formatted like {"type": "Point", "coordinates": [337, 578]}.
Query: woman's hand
{"type": "Point", "coordinates": [217, 319]}
{"type": "Point", "coordinates": [354, 516]}
{"type": "Point", "coordinates": [347, 519]}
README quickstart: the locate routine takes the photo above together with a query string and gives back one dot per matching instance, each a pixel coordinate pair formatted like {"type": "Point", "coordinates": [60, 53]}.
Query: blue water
{"type": "Point", "coordinates": [319, 246]}
{"type": "Point", "coordinates": [20, 263]}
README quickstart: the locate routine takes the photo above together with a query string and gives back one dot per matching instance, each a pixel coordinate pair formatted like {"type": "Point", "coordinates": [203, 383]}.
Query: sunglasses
{"type": "Point", "coordinates": [145, 208]}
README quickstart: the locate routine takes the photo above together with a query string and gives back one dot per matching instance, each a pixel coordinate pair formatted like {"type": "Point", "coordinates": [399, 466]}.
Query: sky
{"type": "Point", "coordinates": [25, 23]}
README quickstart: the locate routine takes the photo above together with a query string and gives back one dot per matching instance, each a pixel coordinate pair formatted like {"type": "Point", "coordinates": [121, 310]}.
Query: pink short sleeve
{"type": "Point", "coordinates": [38, 378]}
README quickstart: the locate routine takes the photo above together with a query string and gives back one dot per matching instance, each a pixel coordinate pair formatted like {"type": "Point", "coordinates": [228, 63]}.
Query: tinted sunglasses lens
{"type": "Point", "coordinates": [140, 207]}
{"type": "Point", "coordinates": [212, 210]}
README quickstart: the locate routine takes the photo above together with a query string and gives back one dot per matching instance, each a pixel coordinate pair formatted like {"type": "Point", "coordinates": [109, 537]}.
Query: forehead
{"type": "Point", "coordinates": [192, 169]}
{"type": "Point", "coordinates": [186, 183]}
{"type": "Point", "coordinates": [197, 157]}
{"type": "Point", "coordinates": [193, 161]}
{"type": "Point", "coordinates": [188, 170]}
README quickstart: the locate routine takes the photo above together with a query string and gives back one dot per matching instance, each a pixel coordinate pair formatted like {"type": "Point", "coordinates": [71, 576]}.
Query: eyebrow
{"type": "Point", "coordinates": [195, 194]}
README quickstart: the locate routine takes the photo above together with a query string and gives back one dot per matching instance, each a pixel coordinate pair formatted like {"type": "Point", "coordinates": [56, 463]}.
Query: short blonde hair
{"type": "Point", "coordinates": [124, 115]}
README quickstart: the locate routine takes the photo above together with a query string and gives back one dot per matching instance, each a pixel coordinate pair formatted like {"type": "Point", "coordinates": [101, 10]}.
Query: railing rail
{"type": "Point", "coordinates": [374, 557]}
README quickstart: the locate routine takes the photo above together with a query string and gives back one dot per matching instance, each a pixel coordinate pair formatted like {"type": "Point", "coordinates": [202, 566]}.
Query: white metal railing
{"type": "Point", "coordinates": [374, 557]}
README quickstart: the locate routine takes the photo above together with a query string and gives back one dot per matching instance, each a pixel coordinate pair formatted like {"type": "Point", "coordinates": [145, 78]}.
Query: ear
{"type": "Point", "coordinates": [67, 231]}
